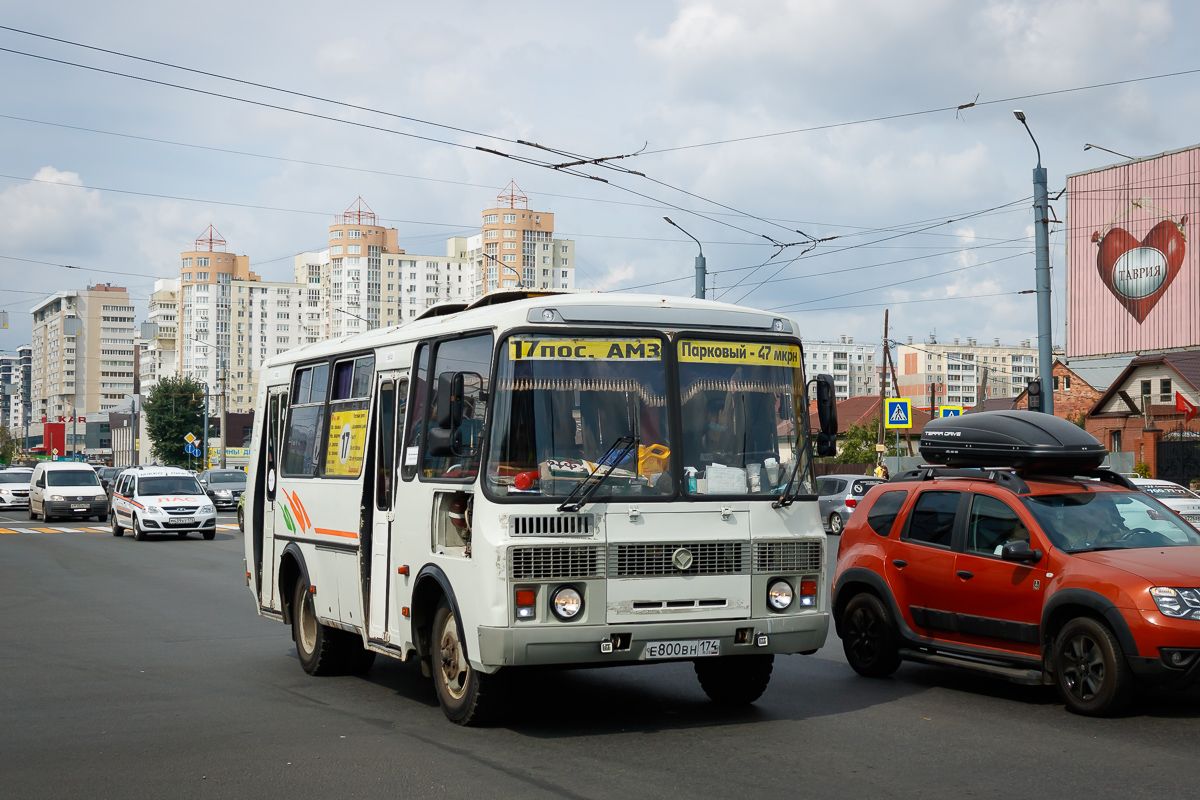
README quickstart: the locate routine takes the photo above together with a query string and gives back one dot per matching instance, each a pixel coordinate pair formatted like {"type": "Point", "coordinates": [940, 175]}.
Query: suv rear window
{"type": "Point", "coordinates": [883, 513]}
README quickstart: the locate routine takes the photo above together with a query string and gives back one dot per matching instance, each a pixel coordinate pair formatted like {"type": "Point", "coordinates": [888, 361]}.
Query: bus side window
{"type": "Point", "coordinates": [272, 445]}
{"type": "Point", "coordinates": [471, 360]}
{"type": "Point", "coordinates": [305, 422]}
{"type": "Point", "coordinates": [412, 431]}
{"type": "Point", "coordinates": [385, 445]}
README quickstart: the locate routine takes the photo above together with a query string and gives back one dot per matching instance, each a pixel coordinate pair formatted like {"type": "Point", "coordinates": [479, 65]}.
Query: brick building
{"type": "Point", "coordinates": [1138, 414]}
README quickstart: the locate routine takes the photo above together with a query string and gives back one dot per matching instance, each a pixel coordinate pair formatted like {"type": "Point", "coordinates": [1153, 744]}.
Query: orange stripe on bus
{"type": "Point", "coordinates": [344, 534]}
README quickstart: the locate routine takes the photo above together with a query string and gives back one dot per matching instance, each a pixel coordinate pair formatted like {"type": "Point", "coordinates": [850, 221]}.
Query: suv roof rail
{"type": "Point", "coordinates": [1009, 479]}
{"type": "Point", "coordinates": [1005, 478]}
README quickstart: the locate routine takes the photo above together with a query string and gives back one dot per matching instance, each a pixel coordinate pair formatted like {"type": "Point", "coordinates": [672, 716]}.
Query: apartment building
{"type": "Point", "coordinates": [20, 409]}
{"type": "Point", "coordinates": [956, 370]}
{"type": "Point", "coordinates": [516, 248]}
{"type": "Point", "coordinates": [230, 321]}
{"type": "Point", "coordinates": [310, 270]}
{"type": "Point", "coordinates": [851, 365]}
{"type": "Point", "coordinates": [354, 280]}
{"type": "Point", "coordinates": [10, 368]}
{"type": "Point", "coordinates": [160, 355]}
{"type": "Point", "coordinates": [412, 283]}
{"type": "Point", "coordinates": [82, 355]}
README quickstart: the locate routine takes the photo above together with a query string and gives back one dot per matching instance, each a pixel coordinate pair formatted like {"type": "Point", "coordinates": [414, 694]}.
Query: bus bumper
{"type": "Point", "coordinates": [581, 644]}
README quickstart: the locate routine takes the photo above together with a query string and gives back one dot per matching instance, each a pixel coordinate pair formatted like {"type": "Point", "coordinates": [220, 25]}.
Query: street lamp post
{"type": "Point", "coordinates": [1041, 232]}
{"type": "Point", "coordinates": [701, 265]}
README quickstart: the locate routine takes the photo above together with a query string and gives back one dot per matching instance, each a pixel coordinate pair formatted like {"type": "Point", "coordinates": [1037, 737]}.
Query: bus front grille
{"type": "Point", "coordinates": [552, 525]}
{"type": "Point", "coordinates": [652, 560]}
{"type": "Point", "coordinates": [787, 557]}
{"type": "Point", "coordinates": [555, 562]}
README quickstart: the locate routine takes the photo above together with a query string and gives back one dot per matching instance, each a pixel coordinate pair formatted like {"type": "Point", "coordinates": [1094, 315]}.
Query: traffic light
{"type": "Point", "coordinates": [1035, 395]}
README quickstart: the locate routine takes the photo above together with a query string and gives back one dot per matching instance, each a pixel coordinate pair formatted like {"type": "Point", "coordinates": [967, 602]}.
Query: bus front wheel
{"type": "Point", "coordinates": [734, 680]}
{"type": "Point", "coordinates": [467, 696]}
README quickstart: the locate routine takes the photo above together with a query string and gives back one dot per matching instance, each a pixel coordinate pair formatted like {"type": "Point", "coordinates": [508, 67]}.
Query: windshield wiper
{"type": "Point", "coordinates": [790, 492]}
{"type": "Point", "coordinates": [608, 462]}
{"type": "Point", "coordinates": [1099, 548]}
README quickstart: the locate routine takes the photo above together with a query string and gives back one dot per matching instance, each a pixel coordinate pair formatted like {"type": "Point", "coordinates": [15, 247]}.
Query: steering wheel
{"type": "Point", "coordinates": [1135, 532]}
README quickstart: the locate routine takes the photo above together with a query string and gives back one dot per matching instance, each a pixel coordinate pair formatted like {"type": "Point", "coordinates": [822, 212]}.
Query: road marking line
{"type": "Point", "coordinates": [46, 530]}
{"type": "Point", "coordinates": [6, 530]}
{"type": "Point", "coordinates": [97, 528]}
{"type": "Point", "coordinates": [22, 530]}
{"type": "Point", "coordinates": [66, 530]}
{"type": "Point", "coordinates": [227, 527]}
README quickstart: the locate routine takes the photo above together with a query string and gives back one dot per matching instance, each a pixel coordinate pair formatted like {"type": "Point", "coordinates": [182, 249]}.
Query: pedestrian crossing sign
{"type": "Point", "coordinates": [899, 413]}
{"type": "Point", "coordinates": [950, 411]}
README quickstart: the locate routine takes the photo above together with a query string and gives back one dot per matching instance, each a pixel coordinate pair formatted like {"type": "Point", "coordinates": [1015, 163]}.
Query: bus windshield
{"type": "Point", "coordinates": [561, 404]}
{"type": "Point", "coordinates": [741, 401]}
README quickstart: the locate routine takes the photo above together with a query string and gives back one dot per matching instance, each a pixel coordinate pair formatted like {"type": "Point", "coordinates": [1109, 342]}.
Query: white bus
{"type": "Point", "coordinates": [543, 479]}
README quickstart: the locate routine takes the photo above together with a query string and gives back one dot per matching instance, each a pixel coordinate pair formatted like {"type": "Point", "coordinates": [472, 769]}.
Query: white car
{"type": "Point", "coordinates": [65, 489]}
{"type": "Point", "coordinates": [161, 500]}
{"type": "Point", "coordinates": [1183, 501]}
{"type": "Point", "coordinates": [14, 487]}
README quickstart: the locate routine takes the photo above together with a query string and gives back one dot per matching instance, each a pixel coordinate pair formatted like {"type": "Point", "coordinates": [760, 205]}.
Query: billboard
{"type": "Point", "coordinates": [1133, 276]}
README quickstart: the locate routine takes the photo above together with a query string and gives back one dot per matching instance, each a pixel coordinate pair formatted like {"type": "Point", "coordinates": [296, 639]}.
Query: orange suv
{"type": "Point", "coordinates": [1020, 559]}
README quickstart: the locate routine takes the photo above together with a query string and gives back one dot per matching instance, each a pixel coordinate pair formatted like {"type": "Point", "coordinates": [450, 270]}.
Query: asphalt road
{"type": "Point", "coordinates": [139, 669]}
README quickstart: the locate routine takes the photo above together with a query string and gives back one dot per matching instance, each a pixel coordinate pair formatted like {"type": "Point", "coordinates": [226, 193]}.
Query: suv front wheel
{"type": "Point", "coordinates": [1090, 670]}
{"type": "Point", "coordinates": [869, 637]}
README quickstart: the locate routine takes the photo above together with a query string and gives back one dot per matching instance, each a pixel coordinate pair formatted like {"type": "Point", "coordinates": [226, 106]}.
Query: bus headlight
{"type": "Point", "coordinates": [780, 595]}
{"type": "Point", "coordinates": [566, 602]}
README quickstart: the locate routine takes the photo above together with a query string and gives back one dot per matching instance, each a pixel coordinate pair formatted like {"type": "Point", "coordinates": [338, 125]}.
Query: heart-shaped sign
{"type": "Point", "coordinates": [1138, 273]}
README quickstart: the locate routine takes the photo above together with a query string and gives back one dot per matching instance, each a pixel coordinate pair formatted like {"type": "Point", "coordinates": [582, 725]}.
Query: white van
{"type": "Point", "coordinates": [66, 489]}
{"type": "Point", "coordinates": [161, 500]}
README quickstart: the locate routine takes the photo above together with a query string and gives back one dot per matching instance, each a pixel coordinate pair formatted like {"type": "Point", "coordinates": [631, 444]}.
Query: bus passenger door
{"type": "Point", "coordinates": [391, 392]}
{"type": "Point", "coordinates": [264, 514]}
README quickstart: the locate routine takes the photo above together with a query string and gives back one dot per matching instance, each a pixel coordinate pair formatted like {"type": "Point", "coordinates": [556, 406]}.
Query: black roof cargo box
{"type": "Point", "coordinates": [1026, 440]}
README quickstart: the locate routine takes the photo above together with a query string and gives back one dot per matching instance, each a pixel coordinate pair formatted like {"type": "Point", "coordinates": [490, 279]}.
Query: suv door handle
{"type": "Point", "coordinates": [966, 576]}
{"type": "Point", "coordinates": [899, 563]}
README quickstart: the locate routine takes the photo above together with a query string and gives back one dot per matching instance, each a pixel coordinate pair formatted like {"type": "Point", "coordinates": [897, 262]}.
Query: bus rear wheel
{"type": "Point", "coordinates": [734, 680]}
{"type": "Point", "coordinates": [467, 696]}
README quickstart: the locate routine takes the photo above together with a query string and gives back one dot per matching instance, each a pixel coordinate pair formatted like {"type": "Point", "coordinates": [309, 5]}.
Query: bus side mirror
{"type": "Point", "coordinates": [827, 405]}
{"type": "Point", "coordinates": [458, 426]}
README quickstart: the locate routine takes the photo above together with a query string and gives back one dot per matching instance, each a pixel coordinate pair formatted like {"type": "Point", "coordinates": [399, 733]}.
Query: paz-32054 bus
{"type": "Point", "coordinates": [542, 479]}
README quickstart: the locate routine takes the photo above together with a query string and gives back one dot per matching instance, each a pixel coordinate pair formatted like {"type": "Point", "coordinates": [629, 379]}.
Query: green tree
{"type": "Point", "coordinates": [857, 446]}
{"type": "Point", "coordinates": [173, 409]}
{"type": "Point", "coordinates": [8, 446]}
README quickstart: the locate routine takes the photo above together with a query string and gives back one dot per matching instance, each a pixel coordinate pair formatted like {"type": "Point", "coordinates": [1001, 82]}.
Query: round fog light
{"type": "Point", "coordinates": [780, 595]}
{"type": "Point", "coordinates": [566, 603]}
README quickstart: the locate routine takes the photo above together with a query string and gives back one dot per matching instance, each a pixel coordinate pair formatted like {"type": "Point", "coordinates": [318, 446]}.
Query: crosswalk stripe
{"type": "Point", "coordinates": [227, 527]}
{"type": "Point", "coordinates": [66, 530]}
{"type": "Point", "coordinates": [23, 530]}
{"type": "Point", "coordinates": [46, 530]}
{"type": "Point", "coordinates": [6, 530]}
{"type": "Point", "coordinates": [98, 528]}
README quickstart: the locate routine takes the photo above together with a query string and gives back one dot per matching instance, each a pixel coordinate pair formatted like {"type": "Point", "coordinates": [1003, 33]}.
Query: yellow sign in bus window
{"type": "Point", "coordinates": [584, 350]}
{"type": "Point", "coordinates": [347, 442]}
{"type": "Point", "coordinates": [756, 353]}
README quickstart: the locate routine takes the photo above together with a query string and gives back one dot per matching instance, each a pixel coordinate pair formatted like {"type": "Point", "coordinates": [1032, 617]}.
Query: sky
{"type": "Point", "coordinates": [118, 175]}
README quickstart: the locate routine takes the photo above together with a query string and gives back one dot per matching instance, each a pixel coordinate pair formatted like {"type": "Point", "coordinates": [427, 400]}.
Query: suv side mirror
{"type": "Point", "coordinates": [1020, 551]}
{"type": "Point", "coordinates": [826, 416]}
